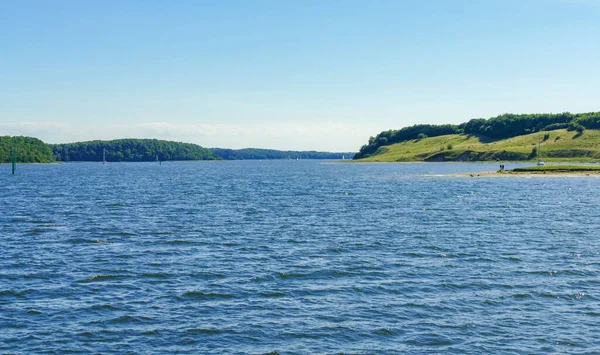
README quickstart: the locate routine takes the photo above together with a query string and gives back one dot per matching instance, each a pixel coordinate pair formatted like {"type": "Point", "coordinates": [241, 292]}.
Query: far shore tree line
{"type": "Point", "coordinates": [33, 150]}
{"type": "Point", "coordinates": [131, 150]}
{"type": "Point", "coordinates": [266, 154]}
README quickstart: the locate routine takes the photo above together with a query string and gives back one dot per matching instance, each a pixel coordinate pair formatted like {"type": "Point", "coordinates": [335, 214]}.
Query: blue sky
{"type": "Point", "coordinates": [305, 74]}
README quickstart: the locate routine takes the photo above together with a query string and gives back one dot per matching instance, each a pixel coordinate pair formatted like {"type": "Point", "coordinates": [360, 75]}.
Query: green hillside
{"type": "Point", "coordinates": [556, 145]}
{"type": "Point", "coordinates": [500, 127]}
{"type": "Point", "coordinates": [131, 150]}
{"type": "Point", "coordinates": [29, 150]}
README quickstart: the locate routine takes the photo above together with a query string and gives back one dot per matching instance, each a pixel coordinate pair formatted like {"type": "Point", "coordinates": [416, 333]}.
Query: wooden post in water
{"type": "Point", "coordinates": [14, 157]}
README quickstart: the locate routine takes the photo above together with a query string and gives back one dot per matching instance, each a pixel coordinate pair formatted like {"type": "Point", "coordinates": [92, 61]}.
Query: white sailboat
{"type": "Point", "coordinates": [103, 155]}
{"type": "Point", "coordinates": [540, 161]}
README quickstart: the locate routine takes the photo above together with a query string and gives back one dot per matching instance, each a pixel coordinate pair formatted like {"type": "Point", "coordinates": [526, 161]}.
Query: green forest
{"type": "Point", "coordinates": [29, 150]}
{"type": "Point", "coordinates": [131, 150]}
{"type": "Point", "coordinates": [256, 153]}
{"type": "Point", "coordinates": [500, 127]}
{"type": "Point", "coordinates": [33, 150]}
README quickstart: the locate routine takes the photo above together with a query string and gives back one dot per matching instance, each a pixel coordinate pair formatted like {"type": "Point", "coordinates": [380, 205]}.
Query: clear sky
{"type": "Point", "coordinates": [304, 74]}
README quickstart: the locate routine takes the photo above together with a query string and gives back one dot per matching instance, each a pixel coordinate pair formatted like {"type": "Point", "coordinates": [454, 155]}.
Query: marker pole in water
{"type": "Point", "coordinates": [14, 158]}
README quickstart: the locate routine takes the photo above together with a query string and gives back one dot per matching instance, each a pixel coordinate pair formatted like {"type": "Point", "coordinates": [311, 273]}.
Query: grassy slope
{"type": "Point", "coordinates": [562, 145]}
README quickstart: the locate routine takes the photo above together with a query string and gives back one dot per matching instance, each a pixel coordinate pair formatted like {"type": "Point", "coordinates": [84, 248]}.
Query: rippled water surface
{"type": "Point", "coordinates": [296, 257]}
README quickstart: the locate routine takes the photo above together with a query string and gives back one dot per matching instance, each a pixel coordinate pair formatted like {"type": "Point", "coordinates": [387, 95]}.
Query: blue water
{"type": "Point", "coordinates": [296, 257]}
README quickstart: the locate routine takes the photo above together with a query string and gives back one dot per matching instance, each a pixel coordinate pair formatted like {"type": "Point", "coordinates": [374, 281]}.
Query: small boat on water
{"type": "Point", "coordinates": [540, 161]}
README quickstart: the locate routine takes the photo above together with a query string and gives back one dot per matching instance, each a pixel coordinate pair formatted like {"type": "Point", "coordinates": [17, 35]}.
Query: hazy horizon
{"type": "Point", "coordinates": [310, 75]}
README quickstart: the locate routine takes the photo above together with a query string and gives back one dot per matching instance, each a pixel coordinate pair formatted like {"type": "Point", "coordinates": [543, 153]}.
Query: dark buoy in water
{"type": "Point", "coordinates": [14, 157]}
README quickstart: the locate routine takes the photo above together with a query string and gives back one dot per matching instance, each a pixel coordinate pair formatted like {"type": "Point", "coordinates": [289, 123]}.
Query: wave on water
{"type": "Point", "coordinates": [86, 241]}
{"type": "Point", "coordinates": [178, 242]}
{"type": "Point", "coordinates": [11, 293]}
{"type": "Point", "coordinates": [156, 275]}
{"type": "Point", "coordinates": [104, 307]}
{"type": "Point", "coordinates": [127, 319]}
{"type": "Point", "coordinates": [209, 331]}
{"type": "Point", "coordinates": [37, 231]}
{"type": "Point", "coordinates": [102, 277]}
{"type": "Point", "coordinates": [207, 275]}
{"type": "Point", "coordinates": [319, 274]}
{"type": "Point", "coordinates": [198, 295]}
{"type": "Point", "coordinates": [273, 294]}
{"type": "Point", "coordinates": [118, 234]}
{"type": "Point", "coordinates": [384, 331]}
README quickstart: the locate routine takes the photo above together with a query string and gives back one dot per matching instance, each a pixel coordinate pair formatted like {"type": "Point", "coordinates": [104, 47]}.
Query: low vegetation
{"type": "Point", "coordinates": [556, 145]}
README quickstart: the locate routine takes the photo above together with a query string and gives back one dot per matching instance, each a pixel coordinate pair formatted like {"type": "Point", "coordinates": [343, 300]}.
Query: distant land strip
{"type": "Point", "coordinates": [33, 150]}
{"type": "Point", "coordinates": [264, 154]}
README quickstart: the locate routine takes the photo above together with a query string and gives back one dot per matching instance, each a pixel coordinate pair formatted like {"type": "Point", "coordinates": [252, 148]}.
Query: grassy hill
{"type": "Point", "coordinates": [557, 145]}
{"type": "Point", "coordinates": [495, 128]}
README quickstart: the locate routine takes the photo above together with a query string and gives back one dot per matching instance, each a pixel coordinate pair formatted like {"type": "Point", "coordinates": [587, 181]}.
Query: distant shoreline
{"type": "Point", "coordinates": [361, 161]}
{"type": "Point", "coordinates": [530, 174]}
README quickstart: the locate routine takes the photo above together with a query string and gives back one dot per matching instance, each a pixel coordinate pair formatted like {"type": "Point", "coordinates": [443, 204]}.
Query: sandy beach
{"type": "Point", "coordinates": [531, 174]}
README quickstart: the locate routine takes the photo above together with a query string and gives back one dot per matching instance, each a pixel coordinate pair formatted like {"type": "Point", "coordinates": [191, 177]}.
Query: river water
{"type": "Point", "coordinates": [296, 257]}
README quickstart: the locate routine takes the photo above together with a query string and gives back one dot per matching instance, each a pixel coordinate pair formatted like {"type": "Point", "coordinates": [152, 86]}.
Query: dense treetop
{"type": "Point", "coordinates": [256, 153]}
{"type": "Point", "coordinates": [131, 150]}
{"type": "Point", "coordinates": [29, 150]}
{"type": "Point", "coordinates": [503, 126]}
